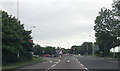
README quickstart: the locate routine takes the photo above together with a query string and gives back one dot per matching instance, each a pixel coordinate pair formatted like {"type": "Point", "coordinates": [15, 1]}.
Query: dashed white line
{"type": "Point", "coordinates": [50, 61]}
{"type": "Point", "coordinates": [53, 65]}
{"type": "Point", "coordinates": [59, 60]}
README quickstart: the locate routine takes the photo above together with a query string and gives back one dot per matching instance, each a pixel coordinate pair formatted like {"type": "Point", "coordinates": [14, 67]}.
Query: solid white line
{"type": "Point", "coordinates": [84, 67]}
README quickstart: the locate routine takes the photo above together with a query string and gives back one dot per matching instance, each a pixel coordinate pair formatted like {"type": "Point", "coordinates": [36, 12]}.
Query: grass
{"type": "Point", "coordinates": [24, 63]}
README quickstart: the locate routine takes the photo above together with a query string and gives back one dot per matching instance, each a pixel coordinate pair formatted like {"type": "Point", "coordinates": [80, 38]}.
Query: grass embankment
{"type": "Point", "coordinates": [21, 64]}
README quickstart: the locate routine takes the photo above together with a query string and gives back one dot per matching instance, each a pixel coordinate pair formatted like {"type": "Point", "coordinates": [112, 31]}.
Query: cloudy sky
{"type": "Point", "coordinates": [57, 22]}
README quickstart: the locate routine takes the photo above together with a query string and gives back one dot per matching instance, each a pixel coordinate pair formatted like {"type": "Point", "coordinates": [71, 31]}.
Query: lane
{"type": "Point", "coordinates": [64, 65]}
{"type": "Point", "coordinates": [97, 63]}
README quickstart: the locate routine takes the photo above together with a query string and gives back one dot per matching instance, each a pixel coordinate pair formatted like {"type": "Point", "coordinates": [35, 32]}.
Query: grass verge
{"type": "Point", "coordinates": [24, 63]}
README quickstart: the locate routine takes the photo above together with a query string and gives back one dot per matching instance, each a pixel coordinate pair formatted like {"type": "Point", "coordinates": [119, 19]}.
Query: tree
{"type": "Point", "coordinates": [67, 51]}
{"type": "Point", "coordinates": [85, 48]}
{"type": "Point", "coordinates": [116, 9]}
{"type": "Point", "coordinates": [38, 50]}
{"type": "Point", "coordinates": [15, 40]}
{"type": "Point", "coordinates": [106, 26]}
{"type": "Point", "coordinates": [49, 50]}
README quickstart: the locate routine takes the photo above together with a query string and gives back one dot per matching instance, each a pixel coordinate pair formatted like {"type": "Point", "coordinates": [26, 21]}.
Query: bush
{"type": "Point", "coordinates": [25, 56]}
{"type": "Point", "coordinates": [9, 58]}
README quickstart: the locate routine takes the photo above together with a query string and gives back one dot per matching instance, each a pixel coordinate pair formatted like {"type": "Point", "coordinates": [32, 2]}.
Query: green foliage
{"type": "Point", "coordinates": [67, 51]}
{"type": "Point", "coordinates": [85, 48]}
{"type": "Point", "coordinates": [107, 28]}
{"type": "Point", "coordinates": [49, 50]}
{"type": "Point", "coordinates": [15, 39]}
{"type": "Point", "coordinates": [38, 50]}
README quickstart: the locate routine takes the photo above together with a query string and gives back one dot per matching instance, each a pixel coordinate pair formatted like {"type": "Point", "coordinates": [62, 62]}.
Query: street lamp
{"type": "Point", "coordinates": [17, 9]}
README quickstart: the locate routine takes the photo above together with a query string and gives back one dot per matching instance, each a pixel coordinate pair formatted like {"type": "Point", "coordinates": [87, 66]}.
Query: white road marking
{"type": "Point", "coordinates": [59, 60]}
{"type": "Point", "coordinates": [86, 69]}
{"type": "Point", "coordinates": [77, 60]}
{"type": "Point", "coordinates": [82, 65]}
{"type": "Point", "coordinates": [53, 65]}
{"type": "Point", "coordinates": [50, 61]}
{"type": "Point", "coordinates": [47, 69]}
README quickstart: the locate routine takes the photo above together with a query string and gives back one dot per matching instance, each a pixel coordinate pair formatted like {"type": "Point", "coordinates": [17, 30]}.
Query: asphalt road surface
{"type": "Point", "coordinates": [76, 63]}
{"type": "Point", "coordinates": [64, 65]}
{"type": "Point", "coordinates": [55, 64]}
{"type": "Point", "coordinates": [97, 63]}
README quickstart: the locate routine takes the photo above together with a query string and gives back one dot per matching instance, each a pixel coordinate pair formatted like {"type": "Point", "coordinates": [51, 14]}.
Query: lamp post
{"type": "Point", "coordinates": [17, 9]}
{"type": "Point", "coordinates": [87, 48]}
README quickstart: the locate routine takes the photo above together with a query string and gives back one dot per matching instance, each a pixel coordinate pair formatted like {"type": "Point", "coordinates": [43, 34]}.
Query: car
{"type": "Point", "coordinates": [46, 55]}
{"type": "Point", "coordinates": [55, 55]}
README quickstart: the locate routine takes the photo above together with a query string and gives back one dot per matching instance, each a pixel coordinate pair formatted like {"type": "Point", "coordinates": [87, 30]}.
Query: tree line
{"type": "Point", "coordinates": [84, 49]}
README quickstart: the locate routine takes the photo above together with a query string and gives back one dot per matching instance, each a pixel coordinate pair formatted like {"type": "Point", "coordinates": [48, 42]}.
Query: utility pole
{"type": "Point", "coordinates": [87, 48]}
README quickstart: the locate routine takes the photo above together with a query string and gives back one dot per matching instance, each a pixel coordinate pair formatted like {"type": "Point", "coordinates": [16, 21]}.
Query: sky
{"type": "Point", "coordinates": [58, 23]}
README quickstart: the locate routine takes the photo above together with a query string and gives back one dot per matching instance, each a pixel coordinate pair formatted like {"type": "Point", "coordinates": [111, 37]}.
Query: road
{"type": "Point", "coordinates": [77, 63]}
{"type": "Point", "coordinates": [54, 64]}
{"type": "Point", "coordinates": [74, 64]}
{"type": "Point", "coordinates": [97, 63]}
